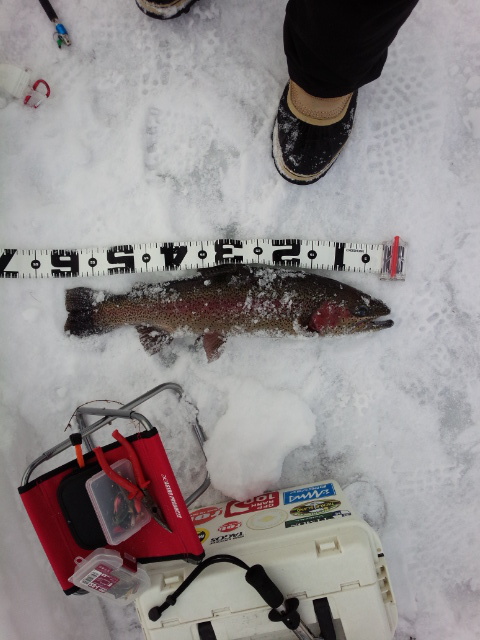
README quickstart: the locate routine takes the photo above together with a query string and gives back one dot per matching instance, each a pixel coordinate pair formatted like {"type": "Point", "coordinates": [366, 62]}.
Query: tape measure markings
{"type": "Point", "coordinates": [386, 259]}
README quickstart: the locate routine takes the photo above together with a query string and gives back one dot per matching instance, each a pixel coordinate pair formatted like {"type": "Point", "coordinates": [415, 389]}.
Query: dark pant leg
{"type": "Point", "coordinates": [334, 47]}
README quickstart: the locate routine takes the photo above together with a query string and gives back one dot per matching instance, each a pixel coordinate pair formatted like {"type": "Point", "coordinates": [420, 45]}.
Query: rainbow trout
{"type": "Point", "coordinates": [227, 300]}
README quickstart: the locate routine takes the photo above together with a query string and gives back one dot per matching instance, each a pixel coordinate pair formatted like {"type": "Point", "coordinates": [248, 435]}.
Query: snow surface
{"type": "Point", "coordinates": [161, 132]}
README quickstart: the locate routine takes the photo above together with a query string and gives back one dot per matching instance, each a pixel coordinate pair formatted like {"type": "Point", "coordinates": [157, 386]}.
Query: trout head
{"type": "Point", "coordinates": [349, 313]}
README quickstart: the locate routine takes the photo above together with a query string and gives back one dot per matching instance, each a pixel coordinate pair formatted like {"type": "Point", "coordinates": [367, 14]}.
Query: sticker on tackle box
{"type": "Point", "coordinates": [205, 514]}
{"type": "Point", "coordinates": [202, 534]}
{"type": "Point", "coordinates": [266, 501]}
{"type": "Point", "coordinates": [315, 507]}
{"type": "Point", "coordinates": [227, 537]}
{"type": "Point", "coordinates": [340, 513]}
{"type": "Point", "coordinates": [266, 519]}
{"type": "Point", "coordinates": [231, 525]}
{"type": "Point", "coordinates": [314, 492]}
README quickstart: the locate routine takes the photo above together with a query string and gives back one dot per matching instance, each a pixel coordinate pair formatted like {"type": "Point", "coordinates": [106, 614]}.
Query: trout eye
{"type": "Point", "coordinates": [361, 311]}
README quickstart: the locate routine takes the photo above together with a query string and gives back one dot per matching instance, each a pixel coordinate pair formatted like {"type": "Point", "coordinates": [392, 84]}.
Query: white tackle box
{"type": "Point", "coordinates": [313, 547]}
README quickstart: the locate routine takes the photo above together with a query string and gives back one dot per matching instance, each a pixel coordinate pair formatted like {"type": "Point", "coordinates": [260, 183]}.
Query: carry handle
{"type": "Point", "coordinates": [137, 468]}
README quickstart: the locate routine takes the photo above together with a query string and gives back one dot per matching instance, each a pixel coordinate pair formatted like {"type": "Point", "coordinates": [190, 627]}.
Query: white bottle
{"type": "Point", "coordinates": [15, 82]}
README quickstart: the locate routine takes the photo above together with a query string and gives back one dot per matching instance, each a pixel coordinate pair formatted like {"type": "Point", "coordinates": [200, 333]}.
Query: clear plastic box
{"type": "Point", "coordinates": [106, 573]}
{"type": "Point", "coordinates": [119, 517]}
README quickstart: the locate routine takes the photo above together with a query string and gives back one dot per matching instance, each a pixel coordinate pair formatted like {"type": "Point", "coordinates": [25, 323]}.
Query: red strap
{"type": "Point", "coordinates": [137, 468]}
{"type": "Point", "coordinates": [134, 491]}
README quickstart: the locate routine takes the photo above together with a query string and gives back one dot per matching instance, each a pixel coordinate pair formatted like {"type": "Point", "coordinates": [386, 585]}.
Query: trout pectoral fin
{"type": "Point", "coordinates": [213, 343]}
{"type": "Point", "coordinates": [153, 340]}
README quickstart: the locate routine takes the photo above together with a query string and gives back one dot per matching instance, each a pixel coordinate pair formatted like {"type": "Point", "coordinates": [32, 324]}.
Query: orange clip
{"type": "Point", "coordinates": [79, 454]}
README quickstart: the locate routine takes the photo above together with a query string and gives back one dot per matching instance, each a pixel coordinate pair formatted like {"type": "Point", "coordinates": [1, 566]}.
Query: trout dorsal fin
{"type": "Point", "coordinates": [225, 269]}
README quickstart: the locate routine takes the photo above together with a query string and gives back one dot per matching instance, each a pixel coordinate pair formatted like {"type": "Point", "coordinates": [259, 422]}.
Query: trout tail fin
{"type": "Point", "coordinates": [81, 306]}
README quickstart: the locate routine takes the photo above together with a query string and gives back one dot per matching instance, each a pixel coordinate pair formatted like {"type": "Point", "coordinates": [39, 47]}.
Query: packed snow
{"type": "Point", "coordinates": [160, 131]}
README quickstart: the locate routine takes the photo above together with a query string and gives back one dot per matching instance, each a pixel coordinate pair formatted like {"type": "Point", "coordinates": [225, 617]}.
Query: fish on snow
{"type": "Point", "coordinates": [227, 300]}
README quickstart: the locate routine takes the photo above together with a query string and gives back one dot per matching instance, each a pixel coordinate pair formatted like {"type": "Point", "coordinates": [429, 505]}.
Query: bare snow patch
{"type": "Point", "coordinates": [259, 423]}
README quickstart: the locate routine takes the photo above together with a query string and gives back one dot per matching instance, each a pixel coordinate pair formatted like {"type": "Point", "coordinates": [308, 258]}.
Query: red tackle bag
{"type": "Point", "coordinates": [66, 523]}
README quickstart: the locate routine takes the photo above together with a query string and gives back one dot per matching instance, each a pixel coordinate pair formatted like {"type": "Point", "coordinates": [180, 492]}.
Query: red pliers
{"type": "Point", "coordinates": [135, 491]}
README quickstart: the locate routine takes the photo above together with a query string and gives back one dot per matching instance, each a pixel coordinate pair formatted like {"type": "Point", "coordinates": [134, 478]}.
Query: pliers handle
{"type": "Point", "coordinates": [136, 491]}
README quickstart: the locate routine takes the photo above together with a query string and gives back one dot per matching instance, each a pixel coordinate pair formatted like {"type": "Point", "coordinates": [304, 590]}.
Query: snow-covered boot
{"type": "Point", "coordinates": [164, 9]}
{"type": "Point", "coordinates": [309, 133]}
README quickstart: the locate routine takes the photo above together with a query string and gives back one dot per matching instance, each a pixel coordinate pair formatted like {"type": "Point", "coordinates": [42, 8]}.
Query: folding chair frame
{"type": "Point", "coordinates": [126, 411]}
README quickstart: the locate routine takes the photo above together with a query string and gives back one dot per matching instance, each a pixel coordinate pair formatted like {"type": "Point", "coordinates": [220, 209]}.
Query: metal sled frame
{"type": "Point", "coordinates": [125, 412]}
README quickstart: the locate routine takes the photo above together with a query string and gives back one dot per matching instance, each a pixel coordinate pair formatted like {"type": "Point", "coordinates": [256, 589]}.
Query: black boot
{"type": "Point", "coordinates": [164, 9]}
{"type": "Point", "coordinates": [309, 133]}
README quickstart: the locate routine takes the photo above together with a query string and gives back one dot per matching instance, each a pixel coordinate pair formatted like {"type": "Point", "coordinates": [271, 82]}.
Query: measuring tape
{"type": "Point", "coordinates": [386, 259]}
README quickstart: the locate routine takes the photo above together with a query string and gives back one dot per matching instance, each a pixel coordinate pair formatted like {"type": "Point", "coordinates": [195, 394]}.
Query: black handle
{"type": "Point", "coordinates": [257, 577]}
{"type": "Point", "coordinates": [49, 10]}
